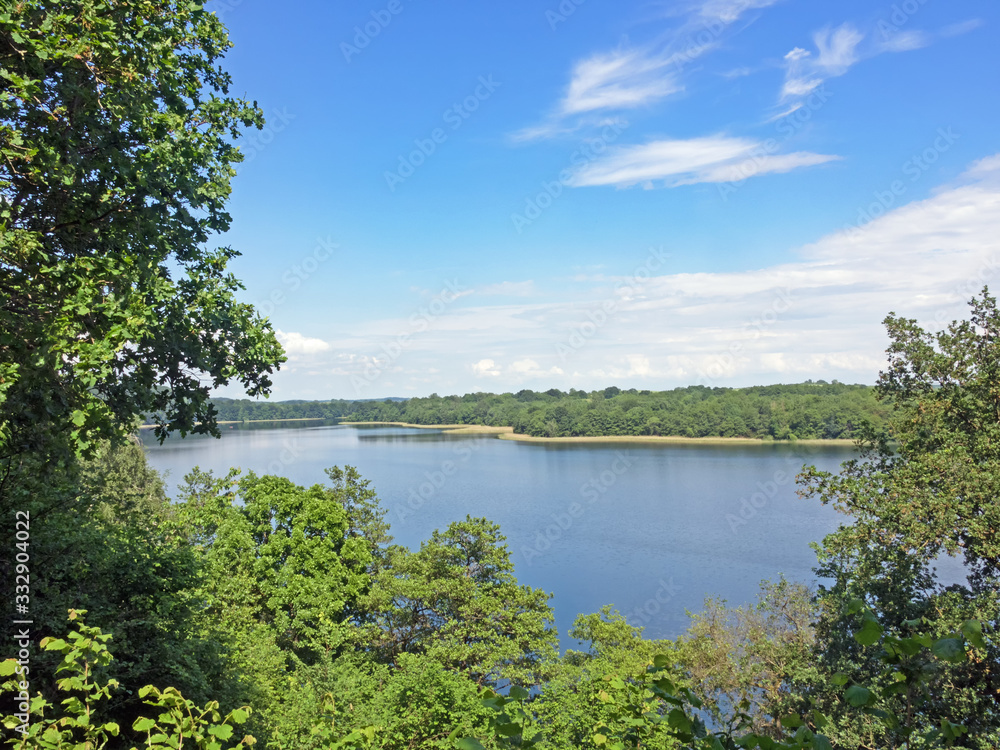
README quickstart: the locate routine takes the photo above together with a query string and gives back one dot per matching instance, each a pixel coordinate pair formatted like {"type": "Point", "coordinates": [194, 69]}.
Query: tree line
{"type": "Point", "coordinates": [811, 410]}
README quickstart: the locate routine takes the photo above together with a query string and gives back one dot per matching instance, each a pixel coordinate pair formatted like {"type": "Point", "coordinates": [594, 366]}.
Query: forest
{"type": "Point", "coordinates": [249, 611]}
{"type": "Point", "coordinates": [809, 411]}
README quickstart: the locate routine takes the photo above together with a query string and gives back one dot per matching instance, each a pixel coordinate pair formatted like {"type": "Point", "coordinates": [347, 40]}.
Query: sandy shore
{"type": "Point", "coordinates": [507, 433]}
{"type": "Point", "coordinates": [468, 429]}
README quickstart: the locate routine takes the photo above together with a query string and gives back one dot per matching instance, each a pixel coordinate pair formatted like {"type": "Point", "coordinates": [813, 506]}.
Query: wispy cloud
{"type": "Point", "coordinates": [905, 41]}
{"type": "Point", "coordinates": [638, 76]}
{"type": "Point", "coordinates": [692, 161]}
{"type": "Point", "coordinates": [836, 52]}
{"type": "Point", "coordinates": [618, 80]}
{"type": "Point", "coordinates": [838, 49]}
{"type": "Point", "coordinates": [729, 11]}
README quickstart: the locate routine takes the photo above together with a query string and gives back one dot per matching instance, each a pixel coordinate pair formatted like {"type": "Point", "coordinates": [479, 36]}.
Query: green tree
{"type": "Point", "coordinates": [117, 143]}
{"type": "Point", "coordinates": [924, 486]}
{"type": "Point", "coordinates": [456, 599]}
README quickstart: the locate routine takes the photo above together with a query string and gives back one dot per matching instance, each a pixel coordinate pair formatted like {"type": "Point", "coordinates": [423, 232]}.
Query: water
{"type": "Point", "coordinates": [650, 528]}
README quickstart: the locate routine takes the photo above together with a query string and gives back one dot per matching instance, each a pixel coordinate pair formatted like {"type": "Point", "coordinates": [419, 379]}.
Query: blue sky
{"type": "Point", "coordinates": [454, 197]}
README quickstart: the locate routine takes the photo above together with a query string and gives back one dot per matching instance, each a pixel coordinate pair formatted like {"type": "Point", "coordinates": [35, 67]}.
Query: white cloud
{"type": "Point", "coordinates": [525, 369]}
{"type": "Point", "coordinates": [837, 51]}
{"type": "Point", "coordinates": [297, 344]}
{"type": "Point", "coordinates": [687, 162]}
{"type": "Point", "coordinates": [486, 368]}
{"type": "Point", "coordinates": [618, 80]}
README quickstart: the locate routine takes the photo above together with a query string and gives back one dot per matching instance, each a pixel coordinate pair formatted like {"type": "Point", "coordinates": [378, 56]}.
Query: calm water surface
{"type": "Point", "coordinates": [652, 529]}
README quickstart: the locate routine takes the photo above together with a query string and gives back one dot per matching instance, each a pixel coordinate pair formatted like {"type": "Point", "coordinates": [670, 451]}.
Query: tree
{"type": "Point", "coordinates": [924, 486]}
{"type": "Point", "coordinates": [280, 554]}
{"type": "Point", "coordinates": [116, 153]}
{"type": "Point", "coordinates": [457, 600]}
{"type": "Point", "coordinates": [754, 658]}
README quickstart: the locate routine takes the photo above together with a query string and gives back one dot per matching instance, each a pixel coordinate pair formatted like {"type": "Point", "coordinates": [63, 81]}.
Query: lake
{"type": "Point", "coordinates": [651, 528]}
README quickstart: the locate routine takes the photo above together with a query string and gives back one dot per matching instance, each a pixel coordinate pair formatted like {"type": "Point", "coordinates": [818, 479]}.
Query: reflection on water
{"type": "Point", "coordinates": [651, 528]}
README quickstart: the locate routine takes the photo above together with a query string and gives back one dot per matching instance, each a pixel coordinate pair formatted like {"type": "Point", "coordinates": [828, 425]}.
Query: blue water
{"type": "Point", "coordinates": [651, 528]}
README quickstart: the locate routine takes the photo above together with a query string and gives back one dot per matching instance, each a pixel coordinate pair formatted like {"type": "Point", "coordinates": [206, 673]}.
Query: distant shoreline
{"type": "Point", "coordinates": [507, 433]}
{"type": "Point", "coordinates": [253, 421]}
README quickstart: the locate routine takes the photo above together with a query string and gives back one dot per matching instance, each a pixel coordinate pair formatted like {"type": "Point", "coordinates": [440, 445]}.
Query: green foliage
{"type": "Point", "coordinates": [457, 600]}
{"type": "Point", "coordinates": [182, 722]}
{"type": "Point", "coordinates": [116, 138]}
{"type": "Point", "coordinates": [570, 703]}
{"type": "Point", "coordinates": [84, 654]}
{"type": "Point", "coordinates": [101, 539]}
{"type": "Point", "coordinates": [901, 700]}
{"type": "Point", "coordinates": [924, 486]}
{"type": "Point", "coordinates": [282, 554]}
{"type": "Point", "coordinates": [776, 412]}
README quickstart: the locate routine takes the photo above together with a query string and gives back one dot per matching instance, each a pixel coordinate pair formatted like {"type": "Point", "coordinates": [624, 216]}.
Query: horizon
{"type": "Point", "coordinates": [476, 199]}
